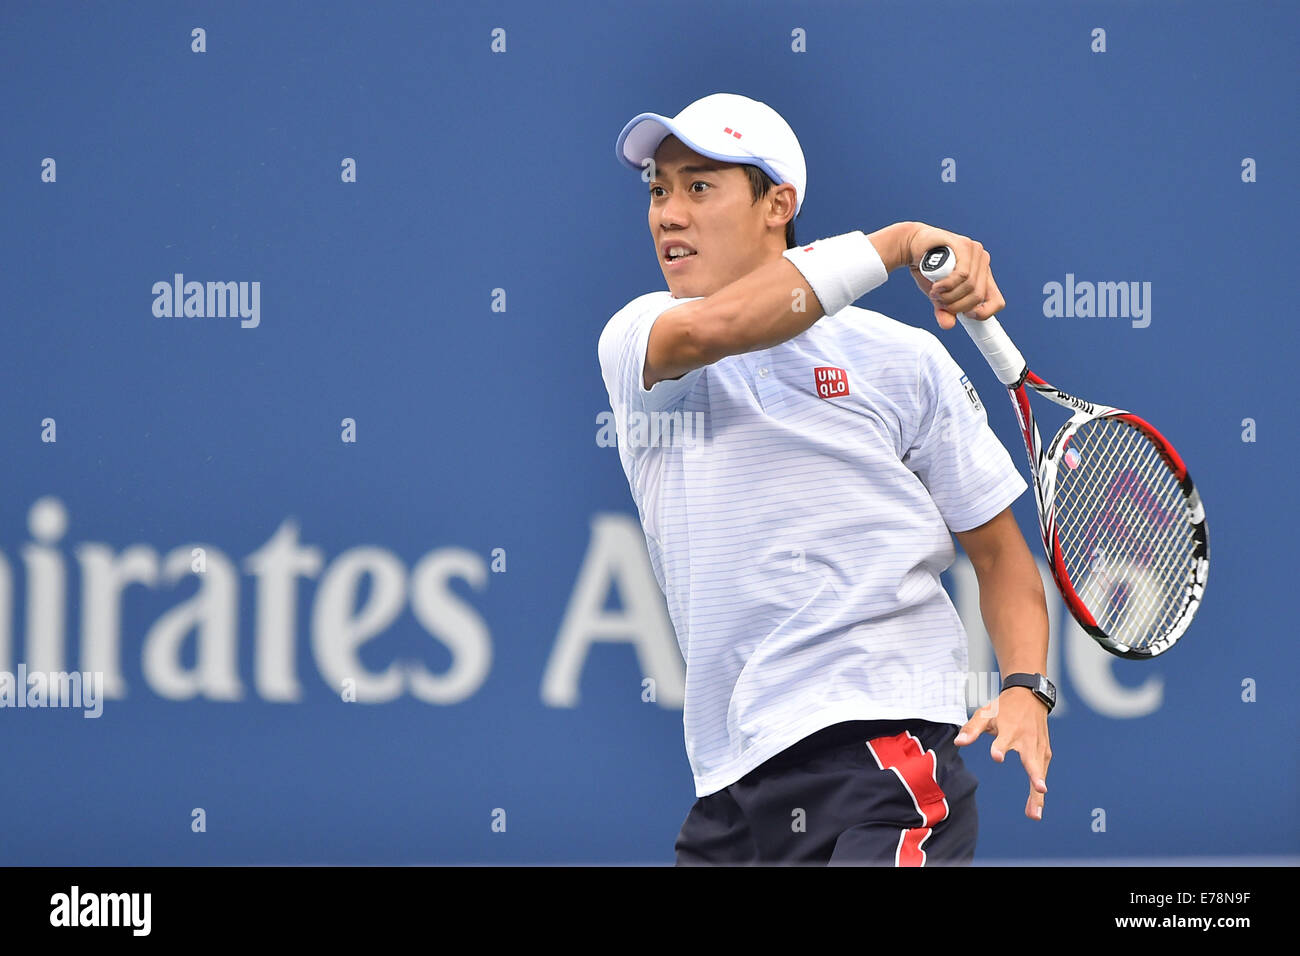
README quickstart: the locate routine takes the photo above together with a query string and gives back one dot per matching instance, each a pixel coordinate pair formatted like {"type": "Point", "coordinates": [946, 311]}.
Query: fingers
{"type": "Point", "coordinates": [1024, 730]}
{"type": "Point", "coordinates": [970, 288]}
{"type": "Point", "coordinates": [1036, 768]}
{"type": "Point", "coordinates": [980, 282]}
{"type": "Point", "coordinates": [982, 722]}
{"type": "Point", "coordinates": [993, 302]}
{"type": "Point", "coordinates": [945, 318]}
{"type": "Point", "coordinates": [953, 290]}
{"type": "Point", "coordinates": [1037, 788]}
{"type": "Point", "coordinates": [1035, 753]}
{"type": "Point", "coordinates": [1034, 805]}
{"type": "Point", "coordinates": [966, 268]}
{"type": "Point", "coordinates": [963, 288]}
{"type": "Point", "coordinates": [998, 751]}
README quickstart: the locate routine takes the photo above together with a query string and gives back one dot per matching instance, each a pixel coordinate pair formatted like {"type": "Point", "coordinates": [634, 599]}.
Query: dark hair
{"type": "Point", "coordinates": [759, 184]}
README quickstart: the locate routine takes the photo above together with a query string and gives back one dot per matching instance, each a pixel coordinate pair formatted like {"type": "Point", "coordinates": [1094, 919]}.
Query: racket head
{"type": "Point", "coordinates": [1125, 532]}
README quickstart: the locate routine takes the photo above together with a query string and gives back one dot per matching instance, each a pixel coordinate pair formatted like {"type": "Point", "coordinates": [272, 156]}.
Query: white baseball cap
{"type": "Point", "coordinates": [727, 127]}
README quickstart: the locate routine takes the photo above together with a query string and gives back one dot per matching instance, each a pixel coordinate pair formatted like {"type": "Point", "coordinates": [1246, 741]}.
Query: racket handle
{"type": "Point", "coordinates": [999, 351]}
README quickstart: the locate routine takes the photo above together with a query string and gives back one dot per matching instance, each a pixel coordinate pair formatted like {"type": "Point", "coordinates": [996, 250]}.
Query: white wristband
{"type": "Point", "coordinates": [840, 269]}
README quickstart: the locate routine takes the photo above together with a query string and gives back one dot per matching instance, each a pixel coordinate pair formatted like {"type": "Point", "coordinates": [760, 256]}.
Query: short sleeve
{"type": "Point", "coordinates": [961, 462]}
{"type": "Point", "coordinates": [622, 351]}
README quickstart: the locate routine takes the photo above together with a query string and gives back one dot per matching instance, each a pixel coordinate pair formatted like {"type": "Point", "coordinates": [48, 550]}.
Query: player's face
{"type": "Point", "coordinates": [711, 211]}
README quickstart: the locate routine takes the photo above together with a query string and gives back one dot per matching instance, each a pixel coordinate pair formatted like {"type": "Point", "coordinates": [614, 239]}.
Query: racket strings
{"type": "Point", "coordinates": [1122, 583]}
{"type": "Point", "coordinates": [1121, 559]}
{"type": "Point", "coordinates": [1128, 550]}
{"type": "Point", "coordinates": [1161, 552]}
{"type": "Point", "coordinates": [1126, 540]}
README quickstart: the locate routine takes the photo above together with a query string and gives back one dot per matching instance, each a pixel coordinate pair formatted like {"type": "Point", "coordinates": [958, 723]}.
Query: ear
{"type": "Point", "coordinates": [781, 204]}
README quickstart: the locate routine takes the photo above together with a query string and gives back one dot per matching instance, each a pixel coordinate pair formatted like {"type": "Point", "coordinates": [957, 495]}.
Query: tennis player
{"type": "Point", "coordinates": [799, 536]}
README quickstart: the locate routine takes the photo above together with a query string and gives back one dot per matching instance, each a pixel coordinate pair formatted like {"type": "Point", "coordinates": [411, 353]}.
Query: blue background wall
{"type": "Point", "coordinates": [476, 427]}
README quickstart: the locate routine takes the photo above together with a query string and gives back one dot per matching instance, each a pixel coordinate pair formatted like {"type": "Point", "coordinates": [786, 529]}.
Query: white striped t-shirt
{"type": "Point", "coordinates": [797, 514]}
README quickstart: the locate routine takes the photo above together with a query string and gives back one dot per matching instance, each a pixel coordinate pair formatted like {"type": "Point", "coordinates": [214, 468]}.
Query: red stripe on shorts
{"type": "Point", "coordinates": [915, 768]}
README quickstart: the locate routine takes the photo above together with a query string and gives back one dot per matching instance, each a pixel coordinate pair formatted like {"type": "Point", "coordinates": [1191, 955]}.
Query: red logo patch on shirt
{"type": "Point", "coordinates": [831, 382]}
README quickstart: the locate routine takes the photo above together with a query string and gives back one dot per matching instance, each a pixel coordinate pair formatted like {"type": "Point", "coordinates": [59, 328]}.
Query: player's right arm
{"type": "Point", "coordinates": [757, 311]}
{"type": "Point", "coordinates": [754, 312]}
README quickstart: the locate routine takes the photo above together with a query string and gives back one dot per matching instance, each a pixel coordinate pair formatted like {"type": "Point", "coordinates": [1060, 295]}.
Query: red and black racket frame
{"type": "Point", "coordinates": [1042, 467]}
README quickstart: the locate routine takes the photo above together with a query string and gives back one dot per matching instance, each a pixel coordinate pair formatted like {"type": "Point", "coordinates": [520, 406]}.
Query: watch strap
{"type": "Point", "coordinates": [1042, 688]}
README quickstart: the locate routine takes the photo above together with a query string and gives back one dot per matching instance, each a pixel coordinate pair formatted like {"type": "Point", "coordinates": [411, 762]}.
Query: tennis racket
{"type": "Point", "coordinates": [1122, 524]}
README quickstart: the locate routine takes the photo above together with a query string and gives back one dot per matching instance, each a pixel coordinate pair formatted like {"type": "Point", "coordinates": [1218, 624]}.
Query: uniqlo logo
{"type": "Point", "coordinates": [831, 382]}
{"type": "Point", "coordinates": [731, 132]}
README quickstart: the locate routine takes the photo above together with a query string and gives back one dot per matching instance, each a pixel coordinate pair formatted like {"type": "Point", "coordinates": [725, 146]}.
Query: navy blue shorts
{"type": "Point", "coordinates": [860, 793]}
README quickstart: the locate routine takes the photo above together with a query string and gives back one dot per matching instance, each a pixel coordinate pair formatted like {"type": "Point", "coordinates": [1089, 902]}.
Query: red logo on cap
{"type": "Point", "coordinates": [732, 132]}
{"type": "Point", "coordinates": [831, 382]}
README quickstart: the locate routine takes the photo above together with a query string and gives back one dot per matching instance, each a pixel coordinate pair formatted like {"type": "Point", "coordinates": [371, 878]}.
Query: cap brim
{"type": "Point", "coordinates": [641, 137]}
{"type": "Point", "coordinates": [645, 131]}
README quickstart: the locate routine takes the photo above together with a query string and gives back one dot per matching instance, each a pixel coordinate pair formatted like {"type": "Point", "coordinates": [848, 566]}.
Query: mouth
{"type": "Point", "coordinates": [675, 262]}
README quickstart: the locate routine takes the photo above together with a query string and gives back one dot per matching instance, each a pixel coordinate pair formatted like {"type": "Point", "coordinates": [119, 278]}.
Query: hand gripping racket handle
{"type": "Point", "coordinates": [1000, 352]}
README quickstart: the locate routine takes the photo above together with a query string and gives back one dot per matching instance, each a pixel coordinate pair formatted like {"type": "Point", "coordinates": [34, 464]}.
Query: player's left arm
{"type": "Point", "coordinates": [1014, 609]}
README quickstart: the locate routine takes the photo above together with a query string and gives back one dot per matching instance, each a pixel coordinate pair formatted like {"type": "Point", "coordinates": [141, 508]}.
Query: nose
{"type": "Point", "coordinates": [671, 211]}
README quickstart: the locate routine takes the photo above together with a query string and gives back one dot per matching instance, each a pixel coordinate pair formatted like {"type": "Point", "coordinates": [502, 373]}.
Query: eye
{"type": "Point", "coordinates": [698, 182]}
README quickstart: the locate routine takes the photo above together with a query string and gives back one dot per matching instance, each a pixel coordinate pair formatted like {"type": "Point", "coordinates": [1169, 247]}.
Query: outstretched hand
{"type": "Point", "coordinates": [1018, 720]}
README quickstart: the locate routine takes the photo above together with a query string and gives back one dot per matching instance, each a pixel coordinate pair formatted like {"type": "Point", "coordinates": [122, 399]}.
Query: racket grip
{"type": "Point", "coordinates": [1000, 352]}
{"type": "Point", "coordinates": [998, 349]}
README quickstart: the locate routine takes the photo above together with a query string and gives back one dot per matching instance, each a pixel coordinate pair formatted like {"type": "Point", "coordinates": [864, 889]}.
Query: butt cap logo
{"type": "Point", "coordinates": [934, 259]}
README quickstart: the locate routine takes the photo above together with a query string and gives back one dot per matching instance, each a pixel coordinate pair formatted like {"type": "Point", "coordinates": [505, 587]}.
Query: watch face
{"type": "Point", "coordinates": [1046, 689]}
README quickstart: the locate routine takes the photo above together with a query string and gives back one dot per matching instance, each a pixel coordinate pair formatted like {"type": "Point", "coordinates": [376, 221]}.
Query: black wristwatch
{"type": "Point", "coordinates": [1043, 688]}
